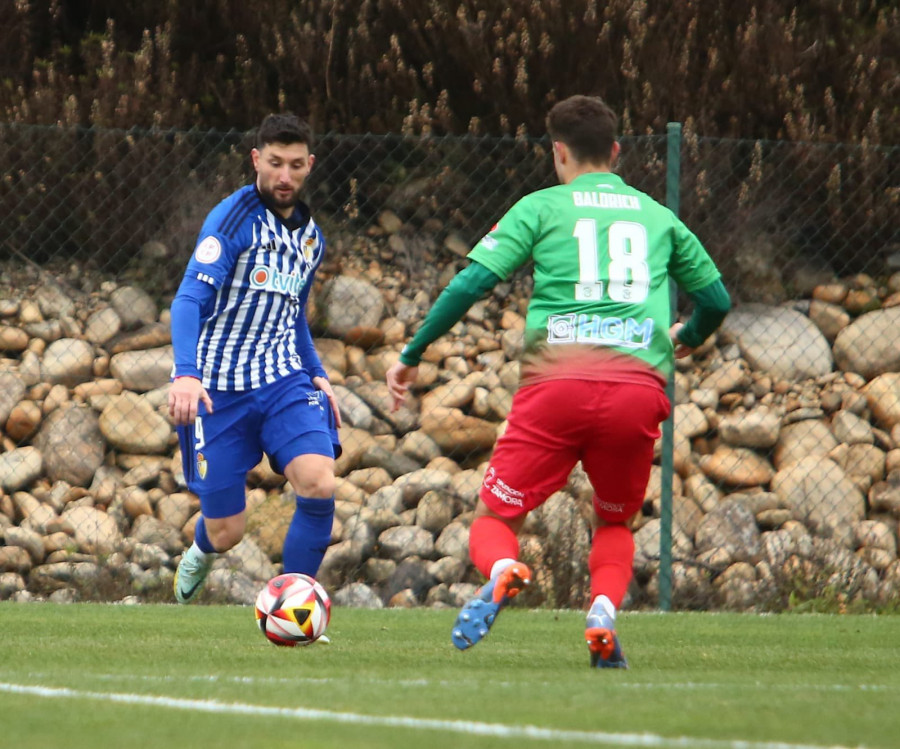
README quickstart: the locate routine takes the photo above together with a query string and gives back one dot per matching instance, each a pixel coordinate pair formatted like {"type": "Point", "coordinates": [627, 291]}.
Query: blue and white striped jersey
{"type": "Point", "coordinates": [261, 267]}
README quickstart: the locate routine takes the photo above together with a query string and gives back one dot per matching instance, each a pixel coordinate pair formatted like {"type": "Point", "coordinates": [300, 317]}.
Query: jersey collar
{"type": "Point", "coordinates": [598, 178]}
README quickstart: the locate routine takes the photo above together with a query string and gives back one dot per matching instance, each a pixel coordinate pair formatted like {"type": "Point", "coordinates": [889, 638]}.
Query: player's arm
{"type": "Point", "coordinates": [696, 273]}
{"type": "Point", "coordinates": [711, 305]}
{"type": "Point", "coordinates": [309, 357]}
{"type": "Point", "coordinates": [192, 298]}
{"type": "Point", "coordinates": [466, 288]}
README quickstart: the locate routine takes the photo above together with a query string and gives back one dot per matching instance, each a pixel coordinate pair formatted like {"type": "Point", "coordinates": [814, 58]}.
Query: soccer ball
{"type": "Point", "coordinates": [293, 609]}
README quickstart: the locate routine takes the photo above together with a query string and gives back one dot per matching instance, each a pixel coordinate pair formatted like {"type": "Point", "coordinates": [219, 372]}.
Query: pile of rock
{"type": "Point", "coordinates": [787, 428]}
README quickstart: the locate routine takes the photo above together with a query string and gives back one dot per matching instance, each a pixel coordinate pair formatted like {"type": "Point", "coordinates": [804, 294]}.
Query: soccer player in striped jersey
{"type": "Point", "coordinates": [599, 348]}
{"type": "Point", "coordinates": [247, 379]}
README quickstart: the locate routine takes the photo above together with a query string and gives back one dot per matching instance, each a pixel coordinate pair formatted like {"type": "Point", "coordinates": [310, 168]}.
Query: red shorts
{"type": "Point", "coordinates": [610, 427]}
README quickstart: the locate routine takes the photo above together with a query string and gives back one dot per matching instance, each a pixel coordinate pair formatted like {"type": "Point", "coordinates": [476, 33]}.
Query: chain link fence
{"type": "Point", "coordinates": [786, 442]}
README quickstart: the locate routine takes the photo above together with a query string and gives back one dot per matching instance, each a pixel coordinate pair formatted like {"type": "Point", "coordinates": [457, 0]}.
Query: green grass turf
{"type": "Point", "coordinates": [715, 680]}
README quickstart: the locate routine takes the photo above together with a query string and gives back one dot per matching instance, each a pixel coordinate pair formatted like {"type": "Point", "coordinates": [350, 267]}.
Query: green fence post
{"type": "Point", "coordinates": [673, 196]}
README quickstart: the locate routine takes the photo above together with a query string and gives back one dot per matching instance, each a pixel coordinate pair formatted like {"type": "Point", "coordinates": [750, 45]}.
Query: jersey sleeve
{"type": "Point", "coordinates": [216, 251]}
{"type": "Point", "coordinates": [190, 305]}
{"type": "Point", "coordinates": [509, 244]}
{"type": "Point", "coordinates": [690, 265]}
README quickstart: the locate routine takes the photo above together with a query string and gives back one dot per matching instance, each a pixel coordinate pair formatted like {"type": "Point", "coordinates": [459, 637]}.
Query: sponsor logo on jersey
{"type": "Point", "coordinates": [609, 506]}
{"type": "Point", "coordinates": [602, 331]}
{"type": "Point", "coordinates": [265, 278]}
{"type": "Point", "coordinates": [591, 199]}
{"type": "Point", "coordinates": [208, 250]}
{"type": "Point", "coordinates": [501, 490]}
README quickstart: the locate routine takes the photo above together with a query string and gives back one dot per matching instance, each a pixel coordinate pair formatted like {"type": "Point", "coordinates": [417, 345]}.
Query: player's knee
{"type": "Point", "coordinates": [320, 485]}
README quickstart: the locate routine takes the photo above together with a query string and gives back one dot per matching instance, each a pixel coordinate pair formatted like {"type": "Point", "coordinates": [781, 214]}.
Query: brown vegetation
{"type": "Point", "coordinates": [817, 71]}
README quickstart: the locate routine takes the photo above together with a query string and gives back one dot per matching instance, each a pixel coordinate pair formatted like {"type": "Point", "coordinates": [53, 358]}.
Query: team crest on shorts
{"type": "Point", "coordinates": [202, 465]}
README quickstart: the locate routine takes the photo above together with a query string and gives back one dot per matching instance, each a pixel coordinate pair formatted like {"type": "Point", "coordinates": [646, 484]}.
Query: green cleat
{"type": "Point", "coordinates": [191, 574]}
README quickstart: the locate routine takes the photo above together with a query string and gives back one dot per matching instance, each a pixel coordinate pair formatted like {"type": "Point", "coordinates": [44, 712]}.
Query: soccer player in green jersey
{"type": "Point", "coordinates": [599, 349]}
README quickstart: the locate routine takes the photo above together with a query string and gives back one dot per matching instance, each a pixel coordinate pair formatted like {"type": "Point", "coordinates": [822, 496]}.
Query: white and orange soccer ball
{"type": "Point", "coordinates": [293, 609]}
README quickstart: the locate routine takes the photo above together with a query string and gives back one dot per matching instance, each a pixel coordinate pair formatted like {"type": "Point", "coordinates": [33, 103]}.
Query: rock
{"type": "Point", "coordinates": [730, 527]}
{"type": "Point", "coordinates": [250, 559]}
{"type": "Point", "coordinates": [378, 398]}
{"type": "Point", "coordinates": [411, 574]}
{"type": "Point", "coordinates": [68, 361]}
{"type": "Point", "coordinates": [346, 303]}
{"type": "Point", "coordinates": [434, 511]}
{"type": "Point", "coordinates": [831, 319]}
{"type": "Point", "coordinates": [131, 424]}
{"type": "Point", "coordinates": [357, 595]}
{"type": "Point", "coordinates": [870, 345]}
{"type": "Point", "coordinates": [149, 336]}
{"type": "Point", "coordinates": [860, 460]}
{"type": "Point", "coordinates": [406, 540]}
{"type": "Point", "coordinates": [71, 445]}
{"type": "Point", "coordinates": [19, 468]}
{"type": "Point", "coordinates": [456, 433]}
{"type": "Point", "coordinates": [690, 420]}
{"type": "Point", "coordinates": [737, 466]}
{"type": "Point", "coordinates": [28, 540]}
{"type": "Point", "coordinates": [23, 420]}
{"type": "Point", "coordinates": [883, 398]}
{"type": "Point", "coordinates": [15, 560]}
{"type": "Point", "coordinates": [801, 440]}
{"type": "Point", "coordinates": [95, 531]}
{"type": "Point", "coordinates": [143, 370]}
{"type": "Point", "coordinates": [394, 462]}
{"type": "Point", "coordinates": [821, 495]}
{"type": "Point", "coordinates": [150, 530]}
{"type": "Point", "coordinates": [134, 306]}
{"type": "Point", "coordinates": [729, 378]}
{"type": "Point", "coordinates": [780, 341]}
{"type": "Point", "coordinates": [851, 429]}
{"type": "Point", "coordinates": [13, 339]}
{"type": "Point", "coordinates": [12, 390]}
{"type": "Point", "coordinates": [53, 302]}
{"type": "Point", "coordinates": [355, 411]}
{"type": "Point", "coordinates": [102, 325]}
{"type": "Point", "coordinates": [757, 428]}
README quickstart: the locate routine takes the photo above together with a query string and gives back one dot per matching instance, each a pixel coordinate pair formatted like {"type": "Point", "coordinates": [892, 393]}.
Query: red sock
{"type": "Point", "coordinates": [610, 561]}
{"type": "Point", "coordinates": [491, 539]}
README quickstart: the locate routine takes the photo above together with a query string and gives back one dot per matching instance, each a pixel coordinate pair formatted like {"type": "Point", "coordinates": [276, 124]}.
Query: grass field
{"type": "Point", "coordinates": [96, 676]}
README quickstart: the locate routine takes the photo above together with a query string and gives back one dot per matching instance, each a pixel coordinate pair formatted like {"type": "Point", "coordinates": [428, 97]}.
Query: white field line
{"type": "Point", "coordinates": [288, 680]}
{"type": "Point", "coordinates": [470, 728]}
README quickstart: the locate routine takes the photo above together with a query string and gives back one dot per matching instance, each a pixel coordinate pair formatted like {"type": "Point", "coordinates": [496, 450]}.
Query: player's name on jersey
{"type": "Point", "coordinates": [593, 199]}
{"type": "Point", "coordinates": [604, 331]}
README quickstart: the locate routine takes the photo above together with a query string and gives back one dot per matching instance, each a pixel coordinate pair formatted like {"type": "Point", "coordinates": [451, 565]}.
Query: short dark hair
{"type": "Point", "coordinates": [587, 125]}
{"type": "Point", "coordinates": [284, 128]}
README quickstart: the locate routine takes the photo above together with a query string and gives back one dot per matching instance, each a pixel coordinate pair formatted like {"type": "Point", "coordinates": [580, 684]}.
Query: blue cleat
{"type": "Point", "coordinates": [478, 615]}
{"type": "Point", "coordinates": [602, 641]}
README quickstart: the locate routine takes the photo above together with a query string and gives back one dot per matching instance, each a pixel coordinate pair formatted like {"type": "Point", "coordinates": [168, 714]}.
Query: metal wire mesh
{"type": "Point", "coordinates": [786, 449]}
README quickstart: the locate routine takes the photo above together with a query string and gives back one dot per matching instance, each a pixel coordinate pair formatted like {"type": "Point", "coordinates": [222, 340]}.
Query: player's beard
{"type": "Point", "coordinates": [272, 196]}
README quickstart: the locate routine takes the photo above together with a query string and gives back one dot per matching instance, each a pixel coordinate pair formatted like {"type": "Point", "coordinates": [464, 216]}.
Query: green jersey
{"type": "Point", "coordinates": [603, 253]}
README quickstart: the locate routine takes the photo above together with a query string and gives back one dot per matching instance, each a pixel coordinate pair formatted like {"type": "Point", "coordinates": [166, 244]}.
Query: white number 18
{"type": "Point", "coordinates": [629, 274]}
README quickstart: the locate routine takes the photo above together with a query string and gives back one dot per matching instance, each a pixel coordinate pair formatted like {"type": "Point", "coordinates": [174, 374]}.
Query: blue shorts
{"type": "Point", "coordinates": [285, 419]}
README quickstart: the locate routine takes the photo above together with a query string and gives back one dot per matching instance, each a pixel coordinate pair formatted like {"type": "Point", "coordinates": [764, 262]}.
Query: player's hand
{"type": "Point", "coordinates": [324, 385]}
{"type": "Point", "coordinates": [681, 350]}
{"type": "Point", "coordinates": [184, 395]}
{"type": "Point", "coordinates": [399, 378]}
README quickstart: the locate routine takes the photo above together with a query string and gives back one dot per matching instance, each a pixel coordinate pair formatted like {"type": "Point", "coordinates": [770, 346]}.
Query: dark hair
{"type": "Point", "coordinates": [284, 128]}
{"type": "Point", "coordinates": [586, 125]}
